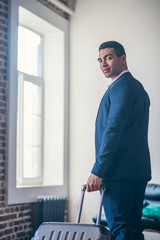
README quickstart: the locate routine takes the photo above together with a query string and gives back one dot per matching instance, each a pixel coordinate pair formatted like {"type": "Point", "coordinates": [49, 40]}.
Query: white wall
{"type": "Point", "coordinates": [134, 23]}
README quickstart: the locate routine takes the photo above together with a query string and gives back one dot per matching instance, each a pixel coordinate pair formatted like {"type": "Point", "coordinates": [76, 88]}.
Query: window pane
{"type": "Point", "coordinates": [31, 162]}
{"type": "Point", "coordinates": [32, 129]}
{"type": "Point", "coordinates": [29, 46]}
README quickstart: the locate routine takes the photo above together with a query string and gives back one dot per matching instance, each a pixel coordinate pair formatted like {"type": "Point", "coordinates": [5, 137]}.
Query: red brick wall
{"type": "Point", "coordinates": [16, 221]}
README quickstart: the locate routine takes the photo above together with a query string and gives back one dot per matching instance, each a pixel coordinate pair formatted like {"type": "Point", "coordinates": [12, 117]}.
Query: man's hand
{"type": "Point", "coordinates": [93, 183]}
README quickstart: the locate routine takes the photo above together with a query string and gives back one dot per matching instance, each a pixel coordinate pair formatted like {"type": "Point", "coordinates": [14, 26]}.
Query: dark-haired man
{"type": "Point", "coordinates": [121, 143]}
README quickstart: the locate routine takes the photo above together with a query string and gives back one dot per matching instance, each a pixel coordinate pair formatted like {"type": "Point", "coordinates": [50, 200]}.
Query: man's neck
{"type": "Point", "coordinates": [120, 74]}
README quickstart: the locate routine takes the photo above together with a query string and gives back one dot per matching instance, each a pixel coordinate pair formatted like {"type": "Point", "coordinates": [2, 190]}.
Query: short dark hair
{"type": "Point", "coordinates": [118, 48]}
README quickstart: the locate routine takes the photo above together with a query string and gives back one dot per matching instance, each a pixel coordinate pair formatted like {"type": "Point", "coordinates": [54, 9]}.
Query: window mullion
{"type": "Point", "coordinates": [30, 79]}
{"type": "Point", "coordinates": [20, 127]}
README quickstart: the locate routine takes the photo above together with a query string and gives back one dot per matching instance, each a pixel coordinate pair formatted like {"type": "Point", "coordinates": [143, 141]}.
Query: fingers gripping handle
{"type": "Point", "coordinates": [83, 190]}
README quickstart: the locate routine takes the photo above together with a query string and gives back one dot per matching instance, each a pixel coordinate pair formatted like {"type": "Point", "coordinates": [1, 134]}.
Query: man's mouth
{"type": "Point", "coordinates": [106, 70]}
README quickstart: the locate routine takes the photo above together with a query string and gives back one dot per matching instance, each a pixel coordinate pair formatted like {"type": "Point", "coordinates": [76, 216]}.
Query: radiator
{"type": "Point", "coordinates": [50, 209]}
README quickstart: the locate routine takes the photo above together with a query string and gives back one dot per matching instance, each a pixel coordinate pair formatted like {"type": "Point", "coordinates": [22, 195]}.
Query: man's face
{"type": "Point", "coordinates": [110, 64]}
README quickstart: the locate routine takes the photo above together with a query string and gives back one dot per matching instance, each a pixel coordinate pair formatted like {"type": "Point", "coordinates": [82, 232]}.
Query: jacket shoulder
{"type": "Point", "coordinates": [126, 82]}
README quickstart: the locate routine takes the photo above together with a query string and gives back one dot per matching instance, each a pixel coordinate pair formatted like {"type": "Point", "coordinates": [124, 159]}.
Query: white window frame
{"type": "Point", "coordinates": [29, 194]}
{"type": "Point", "coordinates": [23, 77]}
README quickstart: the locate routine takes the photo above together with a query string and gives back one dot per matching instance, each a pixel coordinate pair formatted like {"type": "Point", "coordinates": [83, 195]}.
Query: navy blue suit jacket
{"type": "Point", "coordinates": [121, 134]}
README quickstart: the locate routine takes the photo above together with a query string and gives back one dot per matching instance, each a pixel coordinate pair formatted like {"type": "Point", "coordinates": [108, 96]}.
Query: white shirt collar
{"type": "Point", "coordinates": [125, 71]}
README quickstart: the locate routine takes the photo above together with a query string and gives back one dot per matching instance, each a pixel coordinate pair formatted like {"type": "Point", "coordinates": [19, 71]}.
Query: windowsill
{"type": "Point", "coordinates": [29, 194]}
{"type": "Point", "coordinates": [37, 185]}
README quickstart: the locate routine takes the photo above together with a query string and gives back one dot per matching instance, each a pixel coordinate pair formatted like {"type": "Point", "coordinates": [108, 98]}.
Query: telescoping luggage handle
{"type": "Point", "coordinates": [83, 190]}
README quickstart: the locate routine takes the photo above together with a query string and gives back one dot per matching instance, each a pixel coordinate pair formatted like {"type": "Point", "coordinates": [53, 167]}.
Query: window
{"type": "Point", "coordinates": [38, 115]}
{"type": "Point", "coordinates": [29, 108]}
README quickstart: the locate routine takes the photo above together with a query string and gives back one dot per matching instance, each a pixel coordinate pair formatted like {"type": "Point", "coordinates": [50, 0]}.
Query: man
{"type": "Point", "coordinates": [122, 154]}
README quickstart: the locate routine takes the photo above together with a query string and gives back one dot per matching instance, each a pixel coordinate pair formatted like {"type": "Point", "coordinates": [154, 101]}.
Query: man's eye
{"type": "Point", "coordinates": [108, 58]}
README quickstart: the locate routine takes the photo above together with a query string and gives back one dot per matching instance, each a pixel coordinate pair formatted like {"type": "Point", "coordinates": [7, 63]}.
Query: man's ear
{"type": "Point", "coordinates": [123, 58]}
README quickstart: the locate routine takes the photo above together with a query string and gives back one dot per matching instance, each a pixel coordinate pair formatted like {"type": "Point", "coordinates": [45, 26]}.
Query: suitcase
{"type": "Point", "coordinates": [75, 231]}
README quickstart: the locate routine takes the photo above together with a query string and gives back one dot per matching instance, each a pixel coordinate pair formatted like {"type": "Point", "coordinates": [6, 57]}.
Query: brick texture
{"type": "Point", "coordinates": [16, 221]}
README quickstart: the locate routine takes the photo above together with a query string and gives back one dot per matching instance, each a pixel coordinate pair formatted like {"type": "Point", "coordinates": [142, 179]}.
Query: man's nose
{"type": "Point", "coordinates": [104, 63]}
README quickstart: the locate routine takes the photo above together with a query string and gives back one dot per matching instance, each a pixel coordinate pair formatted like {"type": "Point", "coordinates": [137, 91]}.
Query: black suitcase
{"type": "Point", "coordinates": [74, 231]}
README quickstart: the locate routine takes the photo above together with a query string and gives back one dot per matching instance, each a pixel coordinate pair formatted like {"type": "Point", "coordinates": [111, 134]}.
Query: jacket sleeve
{"type": "Point", "coordinates": [122, 98]}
